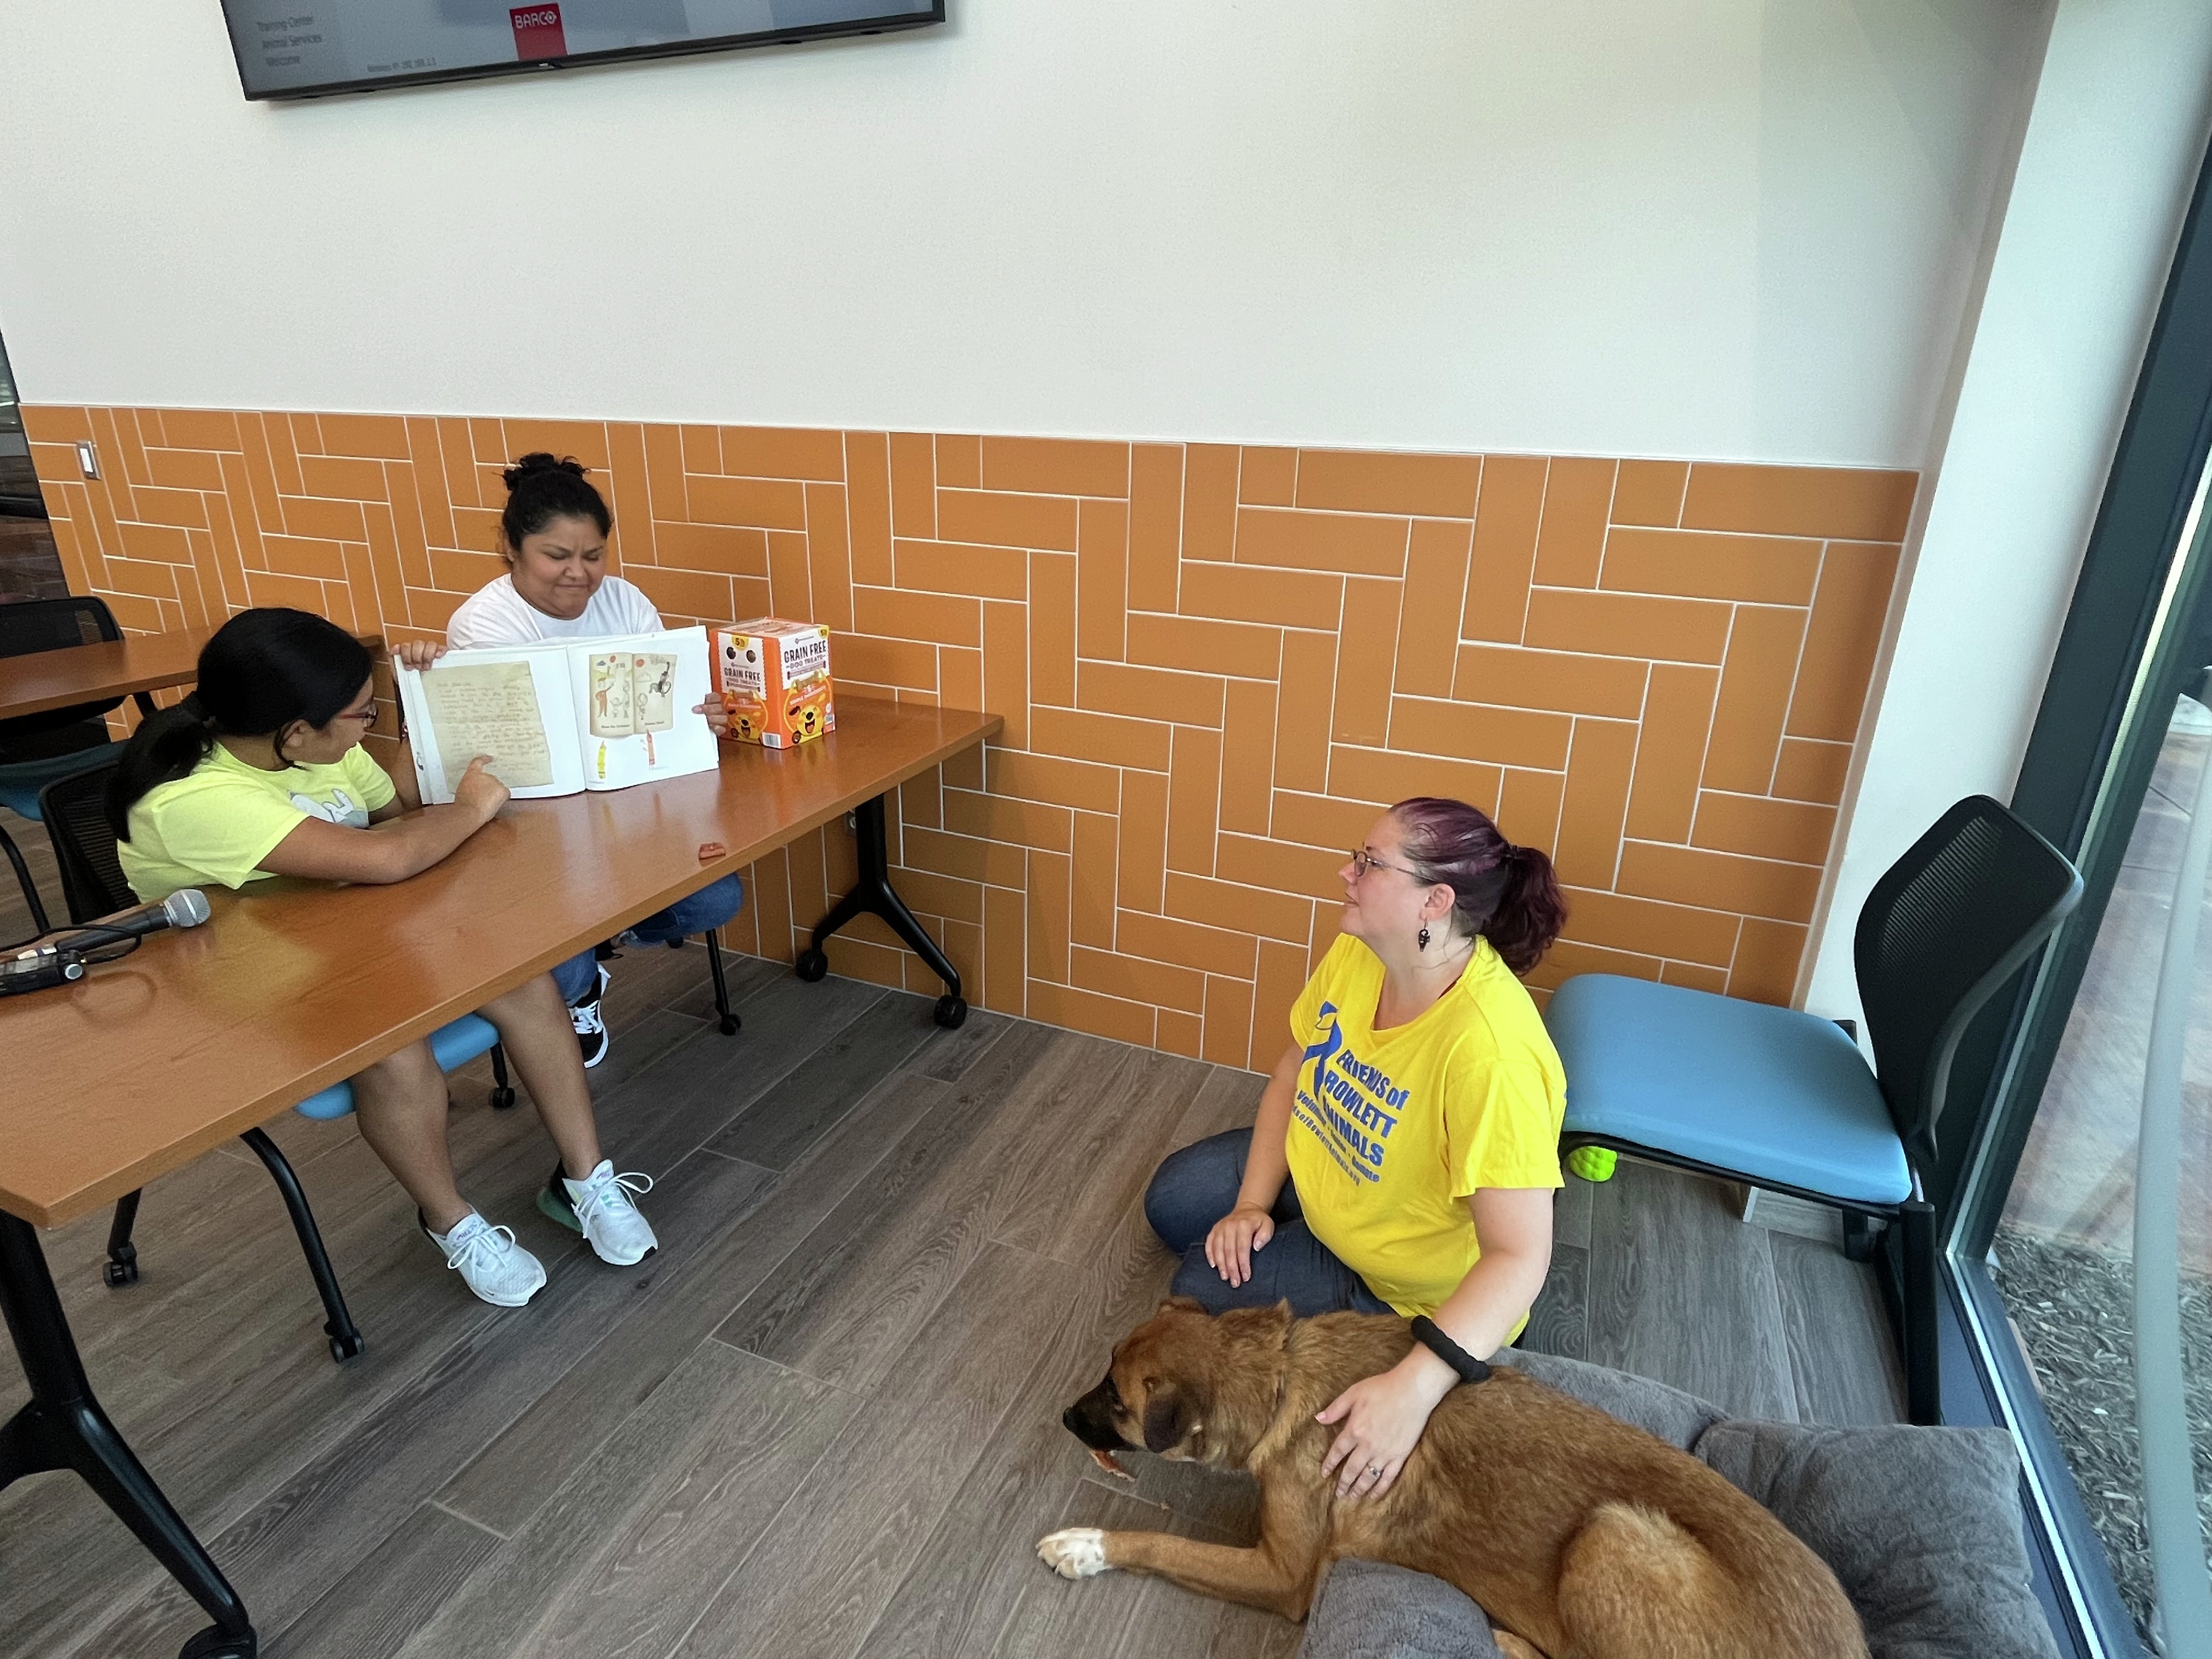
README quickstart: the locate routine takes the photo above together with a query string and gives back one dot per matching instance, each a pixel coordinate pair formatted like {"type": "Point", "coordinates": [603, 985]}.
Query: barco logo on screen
{"type": "Point", "coordinates": [537, 32]}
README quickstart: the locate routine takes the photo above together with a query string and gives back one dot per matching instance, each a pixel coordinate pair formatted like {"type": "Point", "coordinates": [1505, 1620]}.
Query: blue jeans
{"type": "Point", "coordinates": [1193, 1188]}
{"type": "Point", "coordinates": [710, 907]}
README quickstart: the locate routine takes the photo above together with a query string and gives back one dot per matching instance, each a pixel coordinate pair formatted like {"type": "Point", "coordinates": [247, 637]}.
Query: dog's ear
{"type": "Point", "coordinates": [1170, 1416]}
{"type": "Point", "coordinates": [1180, 1304]}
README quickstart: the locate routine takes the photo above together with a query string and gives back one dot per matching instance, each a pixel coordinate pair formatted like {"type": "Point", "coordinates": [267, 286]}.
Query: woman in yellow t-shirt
{"type": "Point", "coordinates": [1406, 1149]}
{"type": "Point", "coordinates": [260, 773]}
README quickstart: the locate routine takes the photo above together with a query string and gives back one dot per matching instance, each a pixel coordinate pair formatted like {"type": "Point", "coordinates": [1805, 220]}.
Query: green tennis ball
{"type": "Point", "coordinates": [1593, 1163]}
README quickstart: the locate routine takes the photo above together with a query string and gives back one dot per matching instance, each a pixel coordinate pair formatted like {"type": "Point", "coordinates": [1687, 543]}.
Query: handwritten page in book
{"type": "Point", "coordinates": [489, 708]}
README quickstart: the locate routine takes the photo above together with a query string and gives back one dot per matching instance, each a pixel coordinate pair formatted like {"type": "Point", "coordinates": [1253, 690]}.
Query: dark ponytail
{"type": "Point", "coordinates": [261, 671]}
{"type": "Point", "coordinates": [1508, 894]}
{"type": "Point", "coordinates": [541, 488]}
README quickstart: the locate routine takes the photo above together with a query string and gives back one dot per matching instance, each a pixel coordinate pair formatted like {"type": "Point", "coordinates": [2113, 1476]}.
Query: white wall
{"type": "Point", "coordinates": [2113, 144]}
{"type": "Point", "coordinates": [1733, 228]}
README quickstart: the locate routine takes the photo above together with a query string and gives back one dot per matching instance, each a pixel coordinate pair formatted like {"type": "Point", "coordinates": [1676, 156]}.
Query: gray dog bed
{"type": "Point", "coordinates": [1922, 1527]}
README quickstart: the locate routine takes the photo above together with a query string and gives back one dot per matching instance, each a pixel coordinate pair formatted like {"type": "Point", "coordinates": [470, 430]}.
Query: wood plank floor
{"type": "Point", "coordinates": [823, 1420]}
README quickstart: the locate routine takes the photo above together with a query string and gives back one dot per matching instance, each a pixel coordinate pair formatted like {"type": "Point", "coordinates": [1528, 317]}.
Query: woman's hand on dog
{"type": "Point", "coordinates": [1229, 1247]}
{"type": "Point", "coordinates": [1382, 1417]}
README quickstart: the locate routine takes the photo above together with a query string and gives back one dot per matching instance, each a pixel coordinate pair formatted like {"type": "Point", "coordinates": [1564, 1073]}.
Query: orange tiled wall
{"type": "Point", "coordinates": [1215, 663]}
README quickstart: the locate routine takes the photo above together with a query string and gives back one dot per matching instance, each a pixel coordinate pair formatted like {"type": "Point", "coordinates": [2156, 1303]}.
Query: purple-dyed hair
{"type": "Point", "coordinates": [1507, 894]}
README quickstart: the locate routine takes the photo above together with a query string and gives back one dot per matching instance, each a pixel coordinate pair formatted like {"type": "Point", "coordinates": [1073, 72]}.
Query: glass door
{"type": "Point", "coordinates": [19, 487]}
{"type": "Point", "coordinates": [2079, 1218]}
{"type": "Point", "coordinates": [2108, 1215]}
{"type": "Point", "coordinates": [29, 567]}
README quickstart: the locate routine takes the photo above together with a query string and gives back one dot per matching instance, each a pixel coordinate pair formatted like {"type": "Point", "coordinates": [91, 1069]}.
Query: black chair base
{"type": "Point", "coordinates": [727, 1021]}
{"type": "Point", "coordinates": [502, 1091]}
{"type": "Point", "coordinates": [122, 1267]}
{"type": "Point", "coordinates": [345, 1339]}
{"type": "Point", "coordinates": [1907, 1275]}
{"type": "Point", "coordinates": [726, 1018]}
{"type": "Point", "coordinates": [30, 887]}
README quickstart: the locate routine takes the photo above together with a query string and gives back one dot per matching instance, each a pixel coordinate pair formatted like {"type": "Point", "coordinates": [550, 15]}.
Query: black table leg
{"type": "Point", "coordinates": [873, 895]}
{"type": "Point", "coordinates": [63, 1427]}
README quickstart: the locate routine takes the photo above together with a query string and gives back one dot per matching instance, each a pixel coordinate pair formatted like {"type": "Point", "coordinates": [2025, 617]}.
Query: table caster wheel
{"type": "Point", "coordinates": [811, 966]}
{"type": "Point", "coordinates": [951, 1011]}
{"type": "Point", "coordinates": [730, 1025]}
{"type": "Point", "coordinates": [119, 1273]}
{"type": "Point", "coordinates": [343, 1348]}
{"type": "Point", "coordinates": [212, 1644]}
{"type": "Point", "coordinates": [503, 1098]}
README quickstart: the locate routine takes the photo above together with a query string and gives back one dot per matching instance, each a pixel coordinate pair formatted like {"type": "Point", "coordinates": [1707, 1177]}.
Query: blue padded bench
{"type": "Point", "coordinates": [1781, 1099]}
{"type": "Point", "coordinates": [1772, 1096]}
{"type": "Point", "coordinates": [453, 1046]}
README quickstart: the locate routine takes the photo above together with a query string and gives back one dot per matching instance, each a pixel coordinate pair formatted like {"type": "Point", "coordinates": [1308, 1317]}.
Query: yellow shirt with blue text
{"type": "Point", "coordinates": [1391, 1131]}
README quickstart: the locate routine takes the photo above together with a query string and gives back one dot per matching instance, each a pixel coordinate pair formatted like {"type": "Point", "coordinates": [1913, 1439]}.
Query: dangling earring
{"type": "Point", "coordinates": [1423, 936]}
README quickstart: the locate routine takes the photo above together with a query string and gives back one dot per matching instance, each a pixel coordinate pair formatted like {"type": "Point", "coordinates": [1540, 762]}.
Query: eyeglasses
{"type": "Point", "coordinates": [1363, 861]}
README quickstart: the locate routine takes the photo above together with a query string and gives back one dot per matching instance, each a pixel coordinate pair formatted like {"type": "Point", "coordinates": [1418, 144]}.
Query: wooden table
{"type": "Point", "coordinates": [204, 1034]}
{"type": "Point", "coordinates": [132, 665]}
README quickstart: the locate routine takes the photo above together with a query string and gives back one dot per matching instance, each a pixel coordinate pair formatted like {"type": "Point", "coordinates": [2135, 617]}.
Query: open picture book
{"type": "Point", "coordinates": [564, 715]}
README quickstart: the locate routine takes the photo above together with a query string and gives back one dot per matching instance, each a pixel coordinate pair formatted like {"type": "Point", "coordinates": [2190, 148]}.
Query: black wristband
{"type": "Point", "coordinates": [1470, 1370]}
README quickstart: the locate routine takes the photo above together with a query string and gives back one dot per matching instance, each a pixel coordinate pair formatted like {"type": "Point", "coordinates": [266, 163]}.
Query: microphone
{"type": "Point", "coordinates": [186, 908]}
{"type": "Point", "coordinates": [64, 958]}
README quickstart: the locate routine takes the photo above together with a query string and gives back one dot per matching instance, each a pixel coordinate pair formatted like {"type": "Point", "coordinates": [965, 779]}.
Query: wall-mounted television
{"type": "Point", "coordinates": [309, 48]}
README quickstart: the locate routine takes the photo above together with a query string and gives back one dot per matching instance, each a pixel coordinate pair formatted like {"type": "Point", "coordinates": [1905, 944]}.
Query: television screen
{"type": "Point", "coordinates": [304, 48]}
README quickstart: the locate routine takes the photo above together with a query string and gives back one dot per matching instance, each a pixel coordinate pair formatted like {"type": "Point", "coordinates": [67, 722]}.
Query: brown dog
{"type": "Point", "coordinates": [1581, 1536]}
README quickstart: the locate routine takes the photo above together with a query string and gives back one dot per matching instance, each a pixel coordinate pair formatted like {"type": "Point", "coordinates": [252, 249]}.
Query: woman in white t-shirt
{"type": "Point", "coordinates": [553, 535]}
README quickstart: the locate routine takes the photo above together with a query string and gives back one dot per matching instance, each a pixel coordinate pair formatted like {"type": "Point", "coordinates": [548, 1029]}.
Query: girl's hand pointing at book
{"type": "Point", "coordinates": [718, 717]}
{"type": "Point", "coordinates": [479, 791]}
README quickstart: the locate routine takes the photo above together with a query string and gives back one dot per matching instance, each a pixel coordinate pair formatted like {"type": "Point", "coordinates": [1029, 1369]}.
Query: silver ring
{"type": "Point", "coordinates": [1374, 1468]}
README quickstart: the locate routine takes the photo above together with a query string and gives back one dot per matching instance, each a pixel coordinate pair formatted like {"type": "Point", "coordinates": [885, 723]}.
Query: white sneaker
{"type": "Point", "coordinates": [489, 1261]}
{"type": "Point", "coordinates": [600, 1207]}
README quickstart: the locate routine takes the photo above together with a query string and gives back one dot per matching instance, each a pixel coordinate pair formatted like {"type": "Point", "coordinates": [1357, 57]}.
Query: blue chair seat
{"type": "Point", "coordinates": [1784, 1097]}
{"type": "Point", "coordinates": [454, 1045]}
{"type": "Point", "coordinates": [21, 781]}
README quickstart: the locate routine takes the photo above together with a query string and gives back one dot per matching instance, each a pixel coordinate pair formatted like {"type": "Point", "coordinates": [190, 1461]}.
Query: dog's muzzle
{"type": "Point", "coordinates": [1090, 1420]}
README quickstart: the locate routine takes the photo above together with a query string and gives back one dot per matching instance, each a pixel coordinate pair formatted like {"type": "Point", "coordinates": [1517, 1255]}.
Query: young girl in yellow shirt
{"type": "Point", "coordinates": [1406, 1149]}
{"type": "Point", "coordinates": [260, 773]}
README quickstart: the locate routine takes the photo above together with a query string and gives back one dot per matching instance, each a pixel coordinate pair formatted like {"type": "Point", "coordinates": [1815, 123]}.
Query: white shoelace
{"type": "Point", "coordinates": [494, 1240]}
{"type": "Point", "coordinates": [587, 1018]}
{"type": "Point", "coordinates": [612, 1192]}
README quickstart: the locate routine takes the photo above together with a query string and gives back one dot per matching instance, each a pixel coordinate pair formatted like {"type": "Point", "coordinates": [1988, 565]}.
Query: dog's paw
{"type": "Point", "coordinates": [1074, 1551]}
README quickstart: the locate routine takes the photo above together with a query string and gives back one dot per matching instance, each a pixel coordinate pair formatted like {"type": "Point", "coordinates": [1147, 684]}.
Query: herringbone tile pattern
{"type": "Point", "coordinates": [1216, 664]}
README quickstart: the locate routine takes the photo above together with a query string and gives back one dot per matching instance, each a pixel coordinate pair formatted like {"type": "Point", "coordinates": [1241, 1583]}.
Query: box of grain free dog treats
{"type": "Point", "coordinates": [774, 675]}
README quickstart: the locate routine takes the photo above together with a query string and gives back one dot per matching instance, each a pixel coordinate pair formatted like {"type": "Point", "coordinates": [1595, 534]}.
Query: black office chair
{"type": "Point", "coordinates": [1784, 1100]}
{"type": "Point", "coordinates": [36, 749]}
{"type": "Point", "coordinates": [76, 814]}
{"type": "Point", "coordinates": [726, 1018]}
